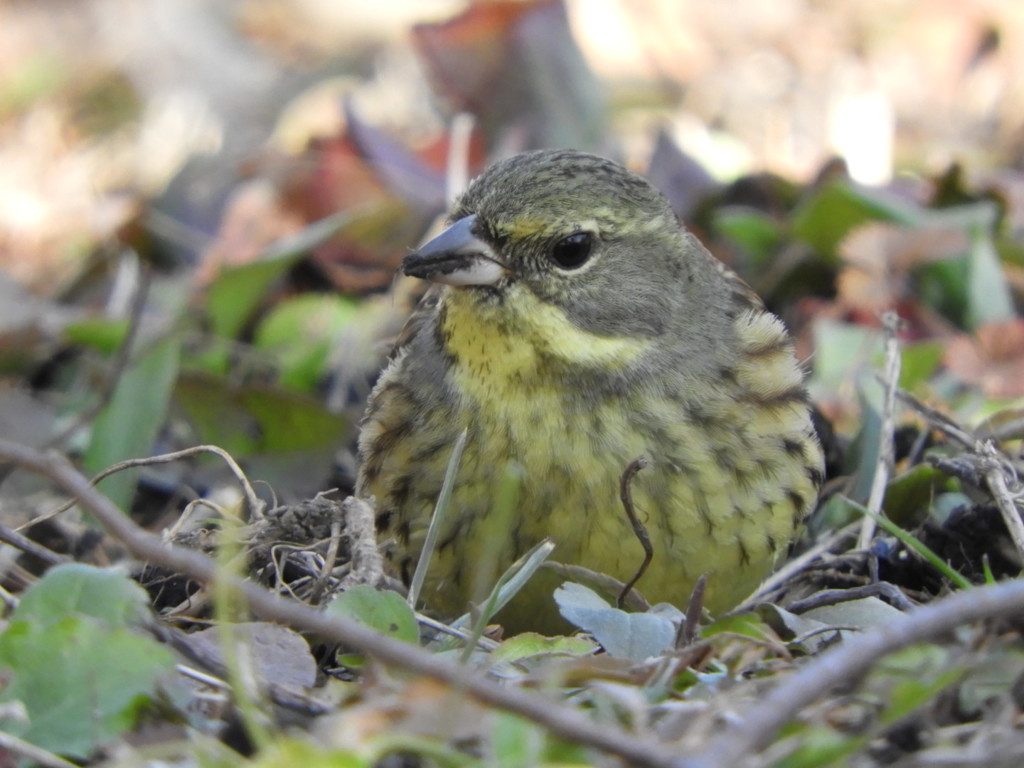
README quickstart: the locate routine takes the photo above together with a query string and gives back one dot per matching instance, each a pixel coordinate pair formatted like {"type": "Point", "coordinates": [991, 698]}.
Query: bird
{"type": "Point", "coordinates": [571, 327]}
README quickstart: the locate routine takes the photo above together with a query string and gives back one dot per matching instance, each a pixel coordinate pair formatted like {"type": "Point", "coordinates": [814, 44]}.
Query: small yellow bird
{"type": "Point", "coordinates": [575, 327]}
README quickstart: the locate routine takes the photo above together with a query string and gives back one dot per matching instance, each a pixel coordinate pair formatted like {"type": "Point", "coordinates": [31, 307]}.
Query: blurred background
{"type": "Point", "coordinates": [178, 105]}
{"type": "Point", "coordinates": [203, 203]}
{"type": "Point", "coordinates": [203, 208]}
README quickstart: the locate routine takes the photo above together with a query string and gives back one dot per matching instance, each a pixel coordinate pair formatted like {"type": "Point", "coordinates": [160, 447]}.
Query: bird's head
{"type": "Point", "coordinates": [571, 229]}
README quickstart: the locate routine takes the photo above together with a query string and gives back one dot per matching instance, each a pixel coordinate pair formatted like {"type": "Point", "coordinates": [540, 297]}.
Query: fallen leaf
{"type": "Point", "coordinates": [991, 359]}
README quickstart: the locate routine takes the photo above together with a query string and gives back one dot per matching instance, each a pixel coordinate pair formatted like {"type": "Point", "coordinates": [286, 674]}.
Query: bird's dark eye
{"type": "Point", "coordinates": [573, 251]}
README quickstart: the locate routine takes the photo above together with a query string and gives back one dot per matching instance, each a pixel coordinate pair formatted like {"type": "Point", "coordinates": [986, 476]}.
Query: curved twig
{"type": "Point", "coordinates": [639, 530]}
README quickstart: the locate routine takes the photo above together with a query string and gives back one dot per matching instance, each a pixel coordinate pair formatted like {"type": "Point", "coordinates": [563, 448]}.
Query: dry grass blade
{"type": "Point", "coordinates": [440, 509]}
{"type": "Point", "coordinates": [996, 468]}
{"type": "Point", "coordinates": [883, 468]}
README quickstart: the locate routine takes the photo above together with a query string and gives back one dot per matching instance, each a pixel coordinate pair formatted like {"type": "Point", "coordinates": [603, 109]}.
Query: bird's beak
{"type": "Point", "coordinates": [456, 257]}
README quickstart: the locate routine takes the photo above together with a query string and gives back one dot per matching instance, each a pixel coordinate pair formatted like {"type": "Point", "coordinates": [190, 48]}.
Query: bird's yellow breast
{"type": "Point", "coordinates": [513, 394]}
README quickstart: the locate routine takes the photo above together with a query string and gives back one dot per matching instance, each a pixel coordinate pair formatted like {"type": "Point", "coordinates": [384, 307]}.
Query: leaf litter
{"type": "Point", "coordinates": [93, 667]}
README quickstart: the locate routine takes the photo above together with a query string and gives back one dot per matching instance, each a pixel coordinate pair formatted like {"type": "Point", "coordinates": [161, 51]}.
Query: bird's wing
{"type": "Point", "coordinates": [420, 317]}
{"type": "Point", "coordinates": [741, 291]}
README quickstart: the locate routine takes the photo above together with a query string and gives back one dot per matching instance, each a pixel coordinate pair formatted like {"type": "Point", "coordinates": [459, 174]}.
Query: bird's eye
{"type": "Point", "coordinates": [573, 251]}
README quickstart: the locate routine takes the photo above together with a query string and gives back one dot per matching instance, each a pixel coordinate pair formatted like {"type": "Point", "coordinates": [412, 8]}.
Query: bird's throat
{"type": "Point", "coordinates": [524, 339]}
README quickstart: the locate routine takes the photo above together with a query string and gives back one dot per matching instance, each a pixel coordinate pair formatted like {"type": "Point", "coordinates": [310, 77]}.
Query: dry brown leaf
{"type": "Point", "coordinates": [992, 359]}
{"type": "Point", "coordinates": [880, 259]}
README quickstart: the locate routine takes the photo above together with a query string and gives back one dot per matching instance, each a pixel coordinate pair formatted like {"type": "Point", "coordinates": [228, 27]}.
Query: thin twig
{"type": "Point", "coordinates": [9, 601]}
{"type": "Point", "coordinates": [886, 453]}
{"type": "Point", "coordinates": [694, 608]}
{"type": "Point", "coordinates": [995, 477]}
{"type": "Point", "coordinates": [601, 583]}
{"type": "Point", "coordinates": [361, 530]}
{"type": "Point", "coordinates": [29, 547]}
{"type": "Point", "coordinates": [202, 677]}
{"type": "Point", "coordinates": [938, 420]}
{"type": "Point", "coordinates": [38, 755]}
{"type": "Point", "coordinates": [837, 628]}
{"type": "Point", "coordinates": [881, 589]}
{"type": "Point", "coordinates": [1002, 426]}
{"type": "Point", "coordinates": [280, 556]}
{"type": "Point", "coordinates": [796, 565]}
{"type": "Point", "coordinates": [561, 720]}
{"type": "Point", "coordinates": [252, 501]}
{"type": "Point", "coordinates": [626, 495]}
{"type": "Point", "coordinates": [185, 517]}
{"type": "Point", "coordinates": [330, 559]}
{"type": "Point", "coordinates": [483, 643]}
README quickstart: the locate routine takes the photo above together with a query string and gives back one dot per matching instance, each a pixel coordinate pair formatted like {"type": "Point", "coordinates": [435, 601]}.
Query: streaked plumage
{"type": "Point", "coordinates": [647, 346]}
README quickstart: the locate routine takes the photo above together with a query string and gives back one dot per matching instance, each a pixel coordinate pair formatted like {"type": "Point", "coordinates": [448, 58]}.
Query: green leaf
{"type": "Point", "coordinates": [235, 294]}
{"type": "Point", "coordinates": [385, 611]}
{"type": "Point", "coordinates": [530, 644]}
{"type": "Point", "coordinates": [842, 351]}
{"type": "Point", "coordinates": [988, 293]}
{"type": "Point", "coordinates": [129, 424]}
{"type": "Point", "coordinates": [827, 217]}
{"type": "Point", "coordinates": [82, 682]}
{"type": "Point", "coordinates": [216, 356]}
{"type": "Point", "coordinates": [831, 515]}
{"type": "Point", "coordinates": [742, 624]}
{"type": "Point", "coordinates": [73, 588]}
{"type": "Point", "coordinates": [911, 493]}
{"type": "Point", "coordinates": [756, 232]}
{"type": "Point", "coordinates": [992, 675]}
{"type": "Point", "coordinates": [862, 457]}
{"type": "Point", "coordinates": [862, 613]}
{"type": "Point", "coordinates": [254, 419]}
{"type": "Point", "coordinates": [290, 752]}
{"type": "Point", "coordinates": [969, 286]}
{"type": "Point", "coordinates": [636, 636]}
{"type": "Point", "coordinates": [516, 742]}
{"type": "Point", "coordinates": [919, 362]}
{"type": "Point", "coordinates": [945, 504]}
{"type": "Point", "coordinates": [796, 629]}
{"type": "Point", "coordinates": [914, 675]}
{"type": "Point", "coordinates": [942, 286]}
{"type": "Point", "coordinates": [821, 747]}
{"type": "Point", "coordinates": [301, 332]}
{"type": "Point", "coordinates": [101, 334]}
